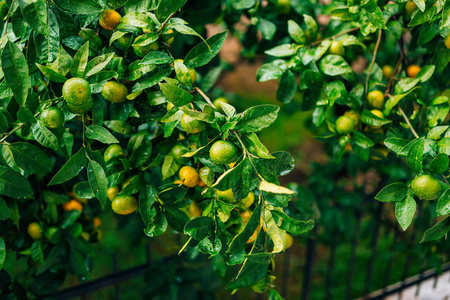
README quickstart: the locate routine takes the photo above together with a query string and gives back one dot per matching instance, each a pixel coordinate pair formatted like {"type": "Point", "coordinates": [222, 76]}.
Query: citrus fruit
{"type": "Point", "coordinates": [35, 231]}
{"type": "Point", "coordinates": [226, 195]}
{"type": "Point", "coordinates": [124, 42]}
{"type": "Point", "coordinates": [142, 51]}
{"type": "Point", "coordinates": [247, 201]}
{"type": "Point", "coordinates": [124, 205]}
{"type": "Point", "coordinates": [112, 151]}
{"type": "Point", "coordinates": [201, 183]}
{"type": "Point", "coordinates": [283, 6]}
{"type": "Point", "coordinates": [96, 222]}
{"type": "Point", "coordinates": [426, 187]}
{"type": "Point", "coordinates": [112, 192]}
{"type": "Point", "coordinates": [50, 232]}
{"type": "Point", "coordinates": [344, 125]}
{"type": "Point", "coordinates": [77, 93]}
{"type": "Point", "coordinates": [410, 7]}
{"type": "Point", "coordinates": [72, 205]}
{"type": "Point", "coordinates": [412, 71]}
{"type": "Point", "coordinates": [447, 41]}
{"type": "Point", "coordinates": [254, 235]}
{"type": "Point", "coordinates": [222, 152]}
{"type": "Point", "coordinates": [191, 125]}
{"type": "Point", "coordinates": [115, 92]}
{"type": "Point", "coordinates": [194, 209]}
{"type": "Point", "coordinates": [289, 241]}
{"type": "Point", "coordinates": [85, 236]}
{"type": "Point", "coordinates": [52, 117]}
{"type": "Point", "coordinates": [74, 196]}
{"type": "Point", "coordinates": [218, 101]}
{"type": "Point", "coordinates": [387, 71]}
{"type": "Point", "coordinates": [189, 176]}
{"type": "Point", "coordinates": [376, 99]}
{"type": "Point", "coordinates": [245, 215]}
{"type": "Point", "coordinates": [177, 152]}
{"type": "Point", "coordinates": [379, 114]}
{"type": "Point", "coordinates": [337, 48]}
{"type": "Point", "coordinates": [355, 116]}
{"type": "Point", "coordinates": [109, 19]}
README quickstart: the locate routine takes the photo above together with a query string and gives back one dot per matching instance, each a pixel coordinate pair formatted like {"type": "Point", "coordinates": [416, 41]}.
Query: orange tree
{"type": "Point", "coordinates": [96, 103]}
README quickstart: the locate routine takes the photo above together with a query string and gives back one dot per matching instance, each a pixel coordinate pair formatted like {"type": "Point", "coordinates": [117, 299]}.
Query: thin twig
{"type": "Point", "coordinates": [204, 96]}
{"type": "Point", "coordinates": [335, 36]}
{"type": "Point", "coordinates": [371, 65]}
{"type": "Point", "coordinates": [15, 129]}
{"type": "Point", "coordinates": [165, 22]}
{"type": "Point", "coordinates": [397, 68]}
{"type": "Point", "coordinates": [409, 123]}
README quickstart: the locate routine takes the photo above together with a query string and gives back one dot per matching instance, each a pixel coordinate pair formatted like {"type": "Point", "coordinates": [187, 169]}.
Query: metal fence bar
{"type": "Point", "coordinates": [310, 251]}
{"type": "Point", "coordinates": [285, 275]}
{"type": "Point", "coordinates": [330, 268]}
{"type": "Point", "coordinates": [348, 289]}
{"type": "Point", "coordinates": [374, 246]}
{"type": "Point", "coordinates": [390, 264]}
{"type": "Point", "coordinates": [115, 270]}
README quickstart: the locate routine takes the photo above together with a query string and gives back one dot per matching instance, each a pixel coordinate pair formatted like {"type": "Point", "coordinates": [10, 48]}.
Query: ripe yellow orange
{"type": "Point", "coordinates": [96, 222]}
{"type": "Point", "coordinates": [109, 19]}
{"type": "Point", "coordinates": [289, 241]}
{"type": "Point", "coordinates": [412, 71]}
{"type": "Point", "coordinates": [189, 176]}
{"type": "Point", "coordinates": [194, 209]}
{"type": "Point", "coordinates": [72, 205]}
{"type": "Point", "coordinates": [245, 215]}
{"type": "Point", "coordinates": [376, 99]}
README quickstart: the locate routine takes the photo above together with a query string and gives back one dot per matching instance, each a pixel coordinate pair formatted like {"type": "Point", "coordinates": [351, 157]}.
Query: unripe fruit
{"type": "Point", "coordinates": [109, 19]}
{"type": "Point", "coordinates": [379, 114]}
{"type": "Point", "coordinates": [376, 99]}
{"type": "Point", "coordinates": [412, 71]}
{"type": "Point", "coordinates": [177, 152]}
{"type": "Point", "coordinates": [77, 93]}
{"type": "Point", "coordinates": [289, 241]}
{"type": "Point", "coordinates": [191, 125]}
{"type": "Point", "coordinates": [35, 231]}
{"type": "Point", "coordinates": [194, 209]}
{"type": "Point", "coordinates": [337, 48]}
{"type": "Point", "coordinates": [125, 42]}
{"type": "Point", "coordinates": [284, 6]}
{"type": "Point", "coordinates": [218, 101]}
{"type": "Point", "coordinates": [410, 7]}
{"type": "Point", "coordinates": [355, 116]}
{"type": "Point", "coordinates": [142, 51]}
{"type": "Point", "coordinates": [124, 205]}
{"type": "Point", "coordinates": [189, 176]}
{"type": "Point", "coordinates": [447, 41]}
{"type": "Point", "coordinates": [112, 151]}
{"type": "Point", "coordinates": [387, 71]}
{"type": "Point", "coordinates": [112, 192]}
{"type": "Point", "coordinates": [426, 187]}
{"type": "Point", "coordinates": [52, 117]}
{"type": "Point", "coordinates": [115, 92]}
{"type": "Point", "coordinates": [222, 152]}
{"type": "Point", "coordinates": [344, 125]}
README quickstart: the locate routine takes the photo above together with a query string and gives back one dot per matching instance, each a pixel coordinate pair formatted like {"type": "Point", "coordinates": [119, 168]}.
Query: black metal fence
{"type": "Point", "coordinates": [369, 258]}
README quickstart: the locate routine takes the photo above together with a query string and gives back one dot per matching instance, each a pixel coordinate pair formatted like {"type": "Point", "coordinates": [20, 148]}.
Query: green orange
{"type": "Point", "coordinates": [426, 187]}
{"type": "Point", "coordinates": [223, 152]}
{"type": "Point", "coordinates": [115, 92]}
{"type": "Point", "coordinates": [191, 125]}
{"type": "Point", "coordinates": [124, 205]}
{"type": "Point", "coordinates": [77, 93]}
{"type": "Point", "coordinates": [35, 231]}
{"type": "Point", "coordinates": [52, 117]}
{"type": "Point", "coordinates": [344, 125]}
{"type": "Point", "coordinates": [112, 151]}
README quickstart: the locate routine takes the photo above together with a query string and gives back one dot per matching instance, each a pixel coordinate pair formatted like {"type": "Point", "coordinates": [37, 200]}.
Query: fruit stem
{"type": "Point", "coordinates": [366, 89]}
{"type": "Point", "coordinates": [165, 22]}
{"type": "Point", "coordinates": [334, 36]}
{"type": "Point", "coordinates": [198, 90]}
{"type": "Point", "coordinates": [407, 121]}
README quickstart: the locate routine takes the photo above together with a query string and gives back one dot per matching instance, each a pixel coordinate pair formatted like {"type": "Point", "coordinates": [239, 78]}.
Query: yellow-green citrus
{"type": "Point", "coordinates": [112, 192]}
{"type": "Point", "coordinates": [223, 152]}
{"type": "Point", "coordinates": [379, 114]}
{"type": "Point", "coordinates": [426, 187]}
{"type": "Point", "coordinates": [410, 7]}
{"type": "Point", "coordinates": [218, 101]}
{"type": "Point", "coordinates": [52, 117]}
{"type": "Point", "coordinates": [189, 176]}
{"type": "Point", "coordinates": [247, 201]}
{"type": "Point", "coordinates": [112, 151]}
{"type": "Point", "coordinates": [35, 231]}
{"type": "Point", "coordinates": [376, 99]}
{"type": "Point", "coordinates": [142, 51]}
{"type": "Point", "coordinates": [355, 116]}
{"type": "Point", "coordinates": [289, 241]}
{"type": "Point", "coordinates": [447, 41]}
{"type": "Point", "coordinates": [336, 48]}
{"type": "Point", "coordinates": [191, 125]}
{"type": "Point", "coordinates": [115, 92]}
{"type": "Point", "coordinates": [77, 93]}
{"type": "Point", "coordinates": [226, 195]}
{"type": "Point", "coordinates": [109, 19]}
{"type": "Point", "coordinates": [344, 125]}
{"type": "Point", "coordinates": [177, 152]}
{"type": "Point", "coordinates": [387, 71]}
{"type": "Point", "coordinates": [283, 6]}
{"type": "Point", "coordinates": [124, 205]}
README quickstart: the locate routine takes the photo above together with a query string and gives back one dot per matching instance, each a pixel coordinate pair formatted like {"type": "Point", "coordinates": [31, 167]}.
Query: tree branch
{"type": "Point", "coordinates": [371, 66]}
{"type": "Point", "coordinates": [409, 123]}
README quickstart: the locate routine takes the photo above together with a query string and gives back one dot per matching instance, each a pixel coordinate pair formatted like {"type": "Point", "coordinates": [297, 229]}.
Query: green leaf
{"type": "Point", "coordinates": [436, 232]}
{"type": "Point", "coordinates": [97, 181]}
{"type": "Point", "coordinates": [151, 79]}
{"type": "Point", "coordinates": [157, 226]}
{"type": "Point", "coordinates": [199, 228]}
{"type": "Point", "coordinates": [283, 50]}
{"type": "Point", "coordinates": [270, 71]}
{"type": "Point", "coordinates": [156, 58]}
{"type": "Point", "coordinates": [178, 96]}
{"type": "Point", "coordinates": [238, 243]}
{"type": "Point", "coordinates": [44, 136]}
{"type": "Point", "coordinates": [36, 15]}
{"type": "Point", "coordinates": [394, 192]}
{"type": "Point", "coordinates": [98, 63]}
{"type": "Point", "coordinates": [287, 87]}
{"type": "Point", "coordinates": [369, 118]}
{"type": "Point", "coordinates": [51, 74]}
{"type": "Point", "coordinates": [396, 144]}
{"type": "Point", "coordinates": [80, 7]}
{"type": "Point", "coordinates": [257, 118]}
{"type": "Point", "coordinates": [393, 101]}
{"type": "Point", "coordinates": [436, 132]}
{"type": "Point", "coordinates": [334, 65]}
{"type": "Point", "coordinates": [443, 204]}
{"type": "Point", "coordinates": [165, 8]}
{"type": "Point", "coordinates": [169, 167]}
{"type": "Point", "coordinates": [261, 150]}
{"type": "Point", "coordinates": [147, 197]}
{"type": "Point", "coordinates": [48, 47]}
{"type": "Point", "coordinates": [273, 295]}
{"type": "Point", "coordinates": [420, 4]}
{"type": "Point", "coordinates": [404, 211]}
{"type": "Point", "coordinates": [274, 189]}
{"type": "Point", "coordinates": [176, 218]}
{"type": "Point", "coordinates": [439, 164]}
{"type": "Point", "coordinates": [5, 212]}
{"type": "Point", "coordinates": [15, 68]}
{"type": "Point", "coordinates": [80, 61]}
{"type": "Point", "coordinates": [426, 72]}
{"type": "Point", "coordinates": [101, 134]}
{"type": "Point", "coordinates": [119, 127]}
{"type": "Point", "coordinates": [71, 168]}
{"type": "Point", "coordinates": [291, 225]}
{"type": "Point", "coordinates": [30, 158]}
{"type": "Point", "coordinates": [145, 39]}
{"type": "Point", "coordinates": [296, 32]}
{"type": "Point", "coordinates": [415, 155]}
{"type": "Point", "coordinates": [267, 28]}
{"type": "Point", "coordinates": [203, 53]}
{"type": "Point", "coordinates": [83, 190]}
{"type": "Point", "coordinates": [2, 252]}
{"type": "Point", "coordinates": [14, 185]}
{"type": "Point", "coordinates": [243, 4]}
